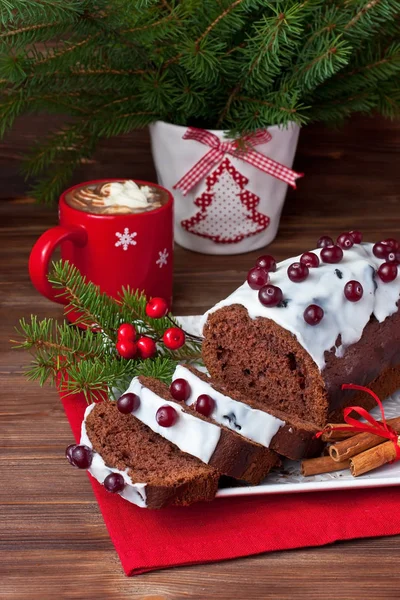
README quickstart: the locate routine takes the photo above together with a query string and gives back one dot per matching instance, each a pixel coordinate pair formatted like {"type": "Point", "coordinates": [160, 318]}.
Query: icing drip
{"type": "Point", "coordinates": [251, 423]}
{"type": "Point", "coordinates": [132, 492]}
{"type": "Point", "coordinates": [343, 321]}
{"type": "Point", "coordinates": [192, 435]}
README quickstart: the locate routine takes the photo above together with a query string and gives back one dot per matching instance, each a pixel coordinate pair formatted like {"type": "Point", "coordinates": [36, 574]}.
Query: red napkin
{"type": "Point", "coordinates": [147, 540]}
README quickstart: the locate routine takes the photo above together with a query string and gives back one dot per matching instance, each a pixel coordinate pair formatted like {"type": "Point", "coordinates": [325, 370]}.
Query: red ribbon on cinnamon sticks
{"type": "Point", "coordinates": [375, 427]}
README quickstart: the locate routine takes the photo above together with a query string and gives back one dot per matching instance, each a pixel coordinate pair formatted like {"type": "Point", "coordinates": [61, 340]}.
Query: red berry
{"type": "Point", "coordinates": [345, 241]}
{"type": "Point", "coordinates": [128, 403]}
{"type": "Point", "coordinates": [174, 338]}
{"type": "Point", "coordinates": [394, 244]}
{"type": "Point", "coordinates": [324, 241]}
{"type": "Point", "coordinates": [126, 332]}
{"type": "Point", "coordinates": [381, 250]}
{"type": "Point", "coordinates": [387, 272]}
{"type": "Point", "coordinates": [266, 262]}
{"type": "Point", "coordinates": [204, 405]}
{"type": "Point", "coordinates": [166, 416]}
{"type": "Point", "coordinates": [393, 257]}
{"type": "Point", "coordinates": [156, 308]}
{"type": "Point", "coordinates": [79, 456]}
{"type": "Point", "coordinates": [146, 347]}
{"type": "Point", "coordinates": [357, 236]}
{"type": "Point", "coordinates": [313, 314]}
{"type": "Point", "coordinates": [126, 349]}
{"type": "Point", "coordinates": [297, 272]}
{"type": "Point", "coordinates": [331, 254]}
{"type": "Point", "coordinates": [353, 290]}
{"type": "Point", "coordinates": [114, 483]}
{"type": "Point", "coordinates": [270, 295]}
{"type": "Point", "coordinates": [309, 259]}
{"type": "Point", "coordinates": [180, 390]}
{"type": "Point", "coordinates": [257, 277]}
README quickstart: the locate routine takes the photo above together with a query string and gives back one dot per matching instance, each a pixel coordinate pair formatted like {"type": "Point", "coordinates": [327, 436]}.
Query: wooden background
{"type": "Point", "coordinates": [53, 542]}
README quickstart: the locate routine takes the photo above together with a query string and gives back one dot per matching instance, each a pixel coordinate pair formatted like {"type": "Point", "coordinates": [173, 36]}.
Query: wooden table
{"type": "Point", "coordinates": [53, 542]}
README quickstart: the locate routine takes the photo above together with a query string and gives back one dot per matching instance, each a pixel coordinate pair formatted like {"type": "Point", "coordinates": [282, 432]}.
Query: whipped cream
{"type": "Point", "coordinates": [127, 194]}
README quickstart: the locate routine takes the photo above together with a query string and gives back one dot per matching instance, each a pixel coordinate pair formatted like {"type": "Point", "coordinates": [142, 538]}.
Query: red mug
{"type": "Point", "coordinates": [113, 250]}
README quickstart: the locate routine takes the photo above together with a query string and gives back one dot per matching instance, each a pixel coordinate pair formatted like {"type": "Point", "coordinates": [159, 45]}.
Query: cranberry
{"type": "Point", "coordinates": [266, 262]}
{"type": "Point", "coordinates": [331, 254]}
{"type": "Point", "coordinates": [128, 403]}
{"type": "Point", "coordinates": [357, 236]}
{"type": "Point", "coordinates": [387, 272]}
{"type": "Point", "coordinates": [127, 349]}
{"type": "Point", "coordinates": [324, 241]}
{"type": "Point", "coordinates": [114, 483]}
{"type": "Point", "coordinates": [174, 338]}
{"type": "Point", "coordinates": [297, 272]}
{"type": "Point", "coordinates": [156, 308]}
{"type": "Point", "coordinates": [204, 405]}
{"type": "Point", "coordinates": [381, 250]}
{"type": "Point", "coordinates": [353, 290]}
{"type": "Point", "coordinates": [180, 390]}
{"type": "Point", "coordinates": [270, 295]}
{"type": "Point", "coordinates": [394, 244]}
{"type": "Point", "coordinates": [126, 332]}
{"type": "Point", "coordinates": [257, 277]}
{"type": "Point", "coordinates": [393, 256]}
{"type": "Point", "coordinates": [79, 456]}
{"type": "Point", "coordinates": [309, 259]}
{"type": "Point", "coordinates": [345, 241]}
{"type": "Point", "coordinates": [166, 416]}
{"type": "Point", "coordinates": [146, 347]}
{"type": "Point", "coordinates": [313, 314]}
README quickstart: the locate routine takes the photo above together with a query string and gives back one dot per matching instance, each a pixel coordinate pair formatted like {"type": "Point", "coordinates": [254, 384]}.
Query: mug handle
{"type": "Point", "coordinates": [41, 252]}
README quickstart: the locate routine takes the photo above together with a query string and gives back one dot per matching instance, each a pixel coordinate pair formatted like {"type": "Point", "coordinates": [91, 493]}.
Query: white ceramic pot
{"type": "Point", "coordinates": [236, 208]}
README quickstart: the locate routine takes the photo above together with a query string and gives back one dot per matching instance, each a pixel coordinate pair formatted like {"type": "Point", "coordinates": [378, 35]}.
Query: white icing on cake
{"type": "Point", "coordinates": [127, 193]}
{"type": "Point", "coordinates": [254, 424]}
{"type": "Point", "coordinates": [324, 288]}
{"type": "Point", "coordinates": [132, 492]}
{"type": "Point", "coordinates": [191, 434]}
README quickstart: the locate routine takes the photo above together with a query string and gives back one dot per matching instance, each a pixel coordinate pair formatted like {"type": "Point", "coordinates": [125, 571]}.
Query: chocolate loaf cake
{"type": "Point", "coordinates": [156, 473]}
{"type": "Point", "coordinates": [229, 453]}
{"type": "Point", "coordinates": [285, 434]}
{"type": "Point", "coordinates": [296, 354]}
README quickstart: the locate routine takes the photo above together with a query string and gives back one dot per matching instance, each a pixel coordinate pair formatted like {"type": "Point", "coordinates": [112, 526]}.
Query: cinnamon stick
{"type": "Point", "coordinates": [359, 443]}
{"type": "Point", "coordinates": [331, 434]}
{"type": "Point", "coordinates": [323, 464]}
{"type": "Point", "coordinates": [372, 459]}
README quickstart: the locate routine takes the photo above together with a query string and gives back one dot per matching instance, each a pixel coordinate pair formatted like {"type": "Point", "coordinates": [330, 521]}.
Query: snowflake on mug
{"type": "Point", "coordinates": [126, 239]}
{"type": "Point", "coordinates": [163, 258]}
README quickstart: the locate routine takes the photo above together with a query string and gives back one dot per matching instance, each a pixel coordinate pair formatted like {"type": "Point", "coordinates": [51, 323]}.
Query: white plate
{"type": "Point", "coordinates": [288, 478]}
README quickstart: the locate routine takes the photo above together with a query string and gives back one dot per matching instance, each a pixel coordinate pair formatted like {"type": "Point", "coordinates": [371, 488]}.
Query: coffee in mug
{"type": "Point", "coordinates": [116, 198]}
{"type": "Point", "coordinates": [118, 233]}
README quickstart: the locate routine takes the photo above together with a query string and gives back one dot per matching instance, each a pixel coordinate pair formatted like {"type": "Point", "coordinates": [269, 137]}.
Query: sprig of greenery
{"type": "Point", "coordinates": [237, 65]}
{"type": "Point", "coordinates": [86, 360]}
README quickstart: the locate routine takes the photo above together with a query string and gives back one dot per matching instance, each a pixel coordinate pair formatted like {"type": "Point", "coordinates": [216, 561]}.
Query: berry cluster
{"type": "Point", "coordinates": [145, 347]}
{"type": "Point", "coordinates": [81, 456]}
{"type": "Point", "coordinates": [270, 295]}
{"type": "Point", "coordinates": [389, 251]}
{"type": "Point", "coordinates": [180, 390]}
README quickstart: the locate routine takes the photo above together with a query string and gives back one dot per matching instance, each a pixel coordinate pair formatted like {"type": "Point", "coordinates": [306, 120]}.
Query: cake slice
{"type": "Point", "coordinates": [156, 473]}
{"type": "Point", "coordinates": [285, 434]}
{"type": "Point", "coordinates": [218, 446]}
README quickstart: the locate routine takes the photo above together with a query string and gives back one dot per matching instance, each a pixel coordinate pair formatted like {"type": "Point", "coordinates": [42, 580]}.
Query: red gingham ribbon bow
{"type": "Point", "coordinates": [382, 429]}
{"type": "Point", "coordinates": [219, 149]}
